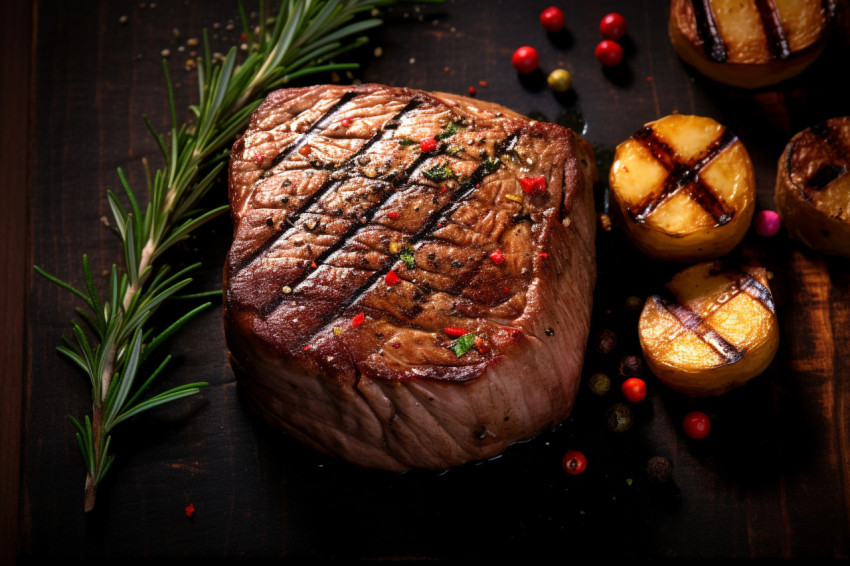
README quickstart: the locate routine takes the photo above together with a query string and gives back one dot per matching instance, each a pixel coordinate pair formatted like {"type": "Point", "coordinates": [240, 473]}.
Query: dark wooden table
{"type": "Point", "coordinates": [772, 479]}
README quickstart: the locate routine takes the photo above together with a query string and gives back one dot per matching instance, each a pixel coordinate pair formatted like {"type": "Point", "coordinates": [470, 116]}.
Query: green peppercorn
{"type": "Point", "coordinates": [560, 80]}
{"type": "Point", "coordinates": [599, 384]}
{"type": "Point", "coordinates": [658, 469]}
{"type": "Point", "coordinates": [619, 417]}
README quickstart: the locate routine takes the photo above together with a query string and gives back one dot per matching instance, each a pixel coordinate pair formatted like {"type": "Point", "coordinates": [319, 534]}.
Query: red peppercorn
{"type": "Point", "coordinates": [613, 26]}
{"type": "Point", "coordinates": [767, 223]}
{"type": "Point", "coordinates": [472, 91]}
{"type": "Point", "coordinates": [345, 123]}
{"type": "Point", "coordinates": [634, 389]}
{"type": "Point", "coordinates": [260, 158]}
{"type": "Point", "coordinates": [696, 425]}
{"type": "Point", "coordinates": [190, 510]}
{"type": "Point", "coordinates": [305, 150]}
{"type": "Point", "coordinates": [455, 332]}
{"type": "Point", "coordinates": [525, 59]}
{"type": "Point", "coordinates": [427, 145]}
{"type": "Point", "coordinates": [609, 53]}
{"type": "Point", "coordinates": [497, 256]}
{"type": "Point", "coordinates": [393, 214]}
{"type": "Point", "coordinates": [358, 319]}
{"type": "Point", "coordinates": [574, 462]}
{"type": "Point", "coordinates": [392, 278]}
{"type": "Point", "coordinates": [552, 18]}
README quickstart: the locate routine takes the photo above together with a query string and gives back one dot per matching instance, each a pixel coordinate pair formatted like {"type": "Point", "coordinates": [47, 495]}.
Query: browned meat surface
{"type": "Point", "coordinates": [357, 251]}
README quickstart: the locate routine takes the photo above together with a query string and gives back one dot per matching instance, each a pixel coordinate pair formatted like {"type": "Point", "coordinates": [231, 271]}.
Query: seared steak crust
{"type": "Point", "coordinates": [357, 250]}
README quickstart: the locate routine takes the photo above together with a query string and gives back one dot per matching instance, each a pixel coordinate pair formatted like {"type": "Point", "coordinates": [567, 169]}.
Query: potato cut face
{"type": "Point", "coordinates": [752, 31]}
{"type": "Point", "coordinates": [682, 174]}
{"type": "Point", "coordinates": [713, 329]}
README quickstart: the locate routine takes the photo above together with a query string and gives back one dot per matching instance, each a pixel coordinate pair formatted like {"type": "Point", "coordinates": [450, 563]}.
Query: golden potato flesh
{"type": "Point", "coordinates": [713, 330]}
{"type": "Point", "coordinates": [750, 43]}
{"type": "Point", "coordinates": [813, 187]}
{"type": "Point", "coordinates": [683, 188]}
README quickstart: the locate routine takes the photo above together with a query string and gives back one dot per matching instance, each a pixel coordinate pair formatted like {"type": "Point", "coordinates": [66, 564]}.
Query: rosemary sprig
{"type": "Point", "coordinates": [302, 38]}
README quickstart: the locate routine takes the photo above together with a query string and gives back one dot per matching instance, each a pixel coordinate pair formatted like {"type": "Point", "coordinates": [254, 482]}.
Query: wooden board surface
{"type": "Point", "coordinates": [772, 480]}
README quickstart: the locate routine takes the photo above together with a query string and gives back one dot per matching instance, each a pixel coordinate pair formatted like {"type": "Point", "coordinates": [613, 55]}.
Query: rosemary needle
{"type": "Point", "coordinates": [302, 38]}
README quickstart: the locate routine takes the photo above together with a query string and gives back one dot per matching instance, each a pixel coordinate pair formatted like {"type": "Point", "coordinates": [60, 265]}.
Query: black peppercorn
{"type": "Point", "coordinates": [606, 342]}
{"type": "Point", "coordinates": [658, 469]}
{"type": "Point", "coordinates": [619, 417]}
{"type": "Point", "coordinates": [631, 366]}
{"type": "Point", "coordinates": [599, 383]}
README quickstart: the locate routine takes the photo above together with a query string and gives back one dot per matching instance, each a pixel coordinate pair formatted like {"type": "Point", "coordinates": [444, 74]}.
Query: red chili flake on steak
{"type": "Point", "coordinates": [393, 214]}
{"type": "Point", "coordinates": [497, 256]}
{"type": "Point", "coordinates": [392, 278]}
{"type": "Point", "coordinates": [305, 150]}
{"type": "Point", "coordinates": [427, 145]}
{"type": "Point", "coordinates": [455, 332]}
{"type": "Point", "coordinates": [190, 510]}
{"type": "Point", "coordinates": [543, 255]}
{"type": "Point", "coordinates": [260, 158]}
{"type": "Point", "coordinates": [358, 319]}
{"type": "Point", "coordinates": [533, 185]}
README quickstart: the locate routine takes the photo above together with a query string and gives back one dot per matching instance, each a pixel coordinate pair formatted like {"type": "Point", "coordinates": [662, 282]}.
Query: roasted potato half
{"type": "Point", "coordinates": [713, 330]}
{"type": "Point", "coordinates": [683, 189]}
{"type": "Point", "coordinates": [750, 43]}
{"type": "Point", "coordinates": [813, 187]}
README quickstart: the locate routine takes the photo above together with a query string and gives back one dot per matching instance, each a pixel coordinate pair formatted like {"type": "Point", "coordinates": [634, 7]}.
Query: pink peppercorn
{"type": "Point", "coordinates": [767, 223]}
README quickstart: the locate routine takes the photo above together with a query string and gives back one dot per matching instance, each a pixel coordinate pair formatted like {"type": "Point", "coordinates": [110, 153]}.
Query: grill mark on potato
{"type": "Point", "coordinates": [744, 282]}
{"type": "Point", "coordinates": [695, 323]}
{"type": "Point", "coordinates": [332, 182]}
{"type": "Point", "coordinates": [774, 32]}
{"type": "Point", "coordinates": [438, 216]}
{"type": "Point", "coordinates": [682, 175]}
{"type": "Point", "coordinates": [709, 35]}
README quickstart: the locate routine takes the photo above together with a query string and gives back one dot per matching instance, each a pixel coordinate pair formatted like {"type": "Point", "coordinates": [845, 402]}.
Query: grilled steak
{"type": "Point", "coordinates": [411, 274]}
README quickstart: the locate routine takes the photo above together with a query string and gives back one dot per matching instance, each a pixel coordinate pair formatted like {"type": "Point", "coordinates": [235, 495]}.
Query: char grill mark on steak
{"type": "Point", "coordinates": [436, 218]}
{"type": "Point", "coordinates": [317, 125]}
{"type": "Point", "coordinates": [333, 181]}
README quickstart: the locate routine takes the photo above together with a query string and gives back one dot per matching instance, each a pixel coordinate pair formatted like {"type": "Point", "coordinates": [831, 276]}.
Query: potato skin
{"type": "Point", "coordinates": [816, 218]}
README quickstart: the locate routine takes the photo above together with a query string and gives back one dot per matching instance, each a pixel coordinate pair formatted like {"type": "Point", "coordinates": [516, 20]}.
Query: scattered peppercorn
{"type": "Point", "coordinates": [550, 332]}
{"type": "Point", "coordinates": [599, 384]}
{"type": "Point", "coordinates": [609, 53]}
{"type": "Point", "coordinates": [613, 26]}
{"type": "Point", "coordinates": [190, 510]}
{"type": "Point", "coordinates": [658, 469]}
{"type": "Point", "coordinates": [552, 18]}
{"type": "Point", "coordinates": [767, 223]}
{"type": "Point", "coordinates": [560, 80]}
{"type": "Point", "coordinates": [606, 342]}
{"type": "Point", "coordinates": [619, 417]}
{"type": "Point", "coordinates": [696, 425]}
{"type": "Point", "coordinates": [472, 91]}
{"type": "Point", "coordinates": [631, 366]}
{"type": "Point", "coordinates": [497, 256]}
{"type": "Point", "coordinates": [634, 389]}
{"type": "Point", "coordinates": [525, 59]}
{"type": "Point", "coordinates": [574, 462]}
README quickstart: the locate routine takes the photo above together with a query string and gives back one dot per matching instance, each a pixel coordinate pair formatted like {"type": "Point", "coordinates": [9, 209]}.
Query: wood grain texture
{"type": "Point", "coordinates": [15, 50]}
{"type": "Point", "coordinates": [772, 480]}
